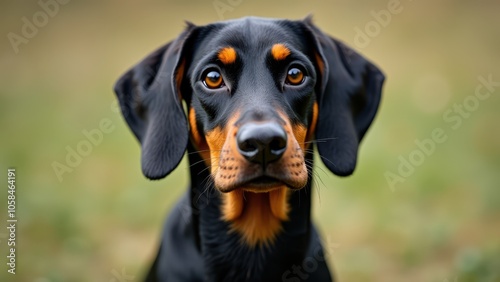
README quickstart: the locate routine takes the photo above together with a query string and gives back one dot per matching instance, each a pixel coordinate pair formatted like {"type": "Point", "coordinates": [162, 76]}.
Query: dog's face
{"type": "Point", "coordinates": [252, 105]}
{"type": "Point", "coordinates": [257, 91]}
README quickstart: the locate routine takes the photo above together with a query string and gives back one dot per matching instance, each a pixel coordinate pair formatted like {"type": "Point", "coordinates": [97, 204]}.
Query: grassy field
{"type": "Point", "coordinates": [439, 221]}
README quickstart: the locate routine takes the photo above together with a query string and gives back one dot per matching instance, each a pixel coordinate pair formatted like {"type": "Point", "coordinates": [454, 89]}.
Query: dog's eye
{"type": "Point", "coordinates": [295, 76]}
{"type": "Point", "coordinates": [213, 79]}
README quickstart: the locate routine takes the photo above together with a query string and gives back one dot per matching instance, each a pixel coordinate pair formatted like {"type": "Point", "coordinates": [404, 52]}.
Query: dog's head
{"type": "Point", "coordinates": [258, 92]}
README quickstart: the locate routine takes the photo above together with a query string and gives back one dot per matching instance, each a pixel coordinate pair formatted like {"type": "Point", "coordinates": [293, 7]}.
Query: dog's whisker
{"type": "Point", "coordinates": [316, 182]}
{"type": "Point", "coordinates": [321, 140]}
{"type": "Point", "coordinates": [203, 170]}
{"type": "Point", "coordinates": [207, 186]}
{"type": "Point", "coordinates": [317, 167]}
{"type": "Point", "coordinates": [315, 177]}
{"type": "Point", "coordinates": [195, 163]}
{"type": "Point", "coordinates": [203, 151]}
{"type": "Point", "coordinates": [326, 159]}
{"type": "Point", "coordinates": [309, 151]}
{"type": "Point", "coordinates": [207, 179]}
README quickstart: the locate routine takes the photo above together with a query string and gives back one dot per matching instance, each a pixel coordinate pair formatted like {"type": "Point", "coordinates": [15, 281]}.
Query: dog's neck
{"type": "Point", "coordinates": [222, 248]}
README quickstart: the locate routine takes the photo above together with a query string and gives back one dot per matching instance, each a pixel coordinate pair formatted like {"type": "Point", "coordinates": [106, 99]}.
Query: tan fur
{"type": "Point", "coordinates": [312, 126]}
{"type": "Point", "coordinates": [321, 64]}
{"type": "Point", "coordinates": [280, 51]}
{"type": "Point", "coordinates": [179, 75]}
{"type": "Point", "coordinates": [233, 204]}
{"type": "Point", "coordinates": [227, 55]}
{"type": "Point", "coordinates": [278, 200]}
{"type": "Point", "coordinates": [198, 138]}
{"type": "Point", "coordinates": [261, 214]}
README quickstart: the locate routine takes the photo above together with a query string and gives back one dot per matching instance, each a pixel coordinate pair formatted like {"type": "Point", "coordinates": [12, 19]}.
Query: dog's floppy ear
{"type": "Point", "coordinates": [150, 101]}
{"type": "Point", "coordinates": [348, 99]}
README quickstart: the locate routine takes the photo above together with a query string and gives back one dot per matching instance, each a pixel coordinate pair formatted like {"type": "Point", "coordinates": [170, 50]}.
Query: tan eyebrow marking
{"type": "Point", "coordinates": [227, 55]}
{"type": "Point", "coordinates": [280, 51]}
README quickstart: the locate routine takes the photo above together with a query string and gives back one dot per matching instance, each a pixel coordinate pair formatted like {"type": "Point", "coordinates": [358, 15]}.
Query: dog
{"type": "Point", "coordinates": [259, 94]}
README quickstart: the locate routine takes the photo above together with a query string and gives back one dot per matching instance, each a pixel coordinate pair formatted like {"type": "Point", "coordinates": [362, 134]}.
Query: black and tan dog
{"type": "Point", "coordinates": [259, 92]}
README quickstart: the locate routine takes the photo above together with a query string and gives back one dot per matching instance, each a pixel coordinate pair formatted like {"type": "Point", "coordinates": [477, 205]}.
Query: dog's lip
{"type": "Point", "coordinates": [262, 184]}
{"type": "Point", "coordinates": [257, 184]}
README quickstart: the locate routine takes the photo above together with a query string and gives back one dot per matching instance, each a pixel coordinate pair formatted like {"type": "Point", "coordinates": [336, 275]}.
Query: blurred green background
{"type": "Point", "coordinates": [102, 221]}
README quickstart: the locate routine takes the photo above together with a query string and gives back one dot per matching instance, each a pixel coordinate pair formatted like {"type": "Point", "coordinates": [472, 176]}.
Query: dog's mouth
{"type": "Point", "coordinates": [262, 183]}
{"type": "Point", "coordinates": [259, 184]}
{"type": "Point", "coordinates": [270, 191]}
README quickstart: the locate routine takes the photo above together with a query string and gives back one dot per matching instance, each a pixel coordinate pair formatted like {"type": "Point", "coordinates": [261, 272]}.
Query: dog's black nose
{"type": "Point", "coordinates": [261, 143]}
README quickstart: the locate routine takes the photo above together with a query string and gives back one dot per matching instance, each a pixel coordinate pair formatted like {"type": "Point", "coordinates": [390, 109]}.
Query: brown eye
{"type": "Point", "coordinates": [295, 76]}
{"type": "Point", "coordinates": [213, 79]}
